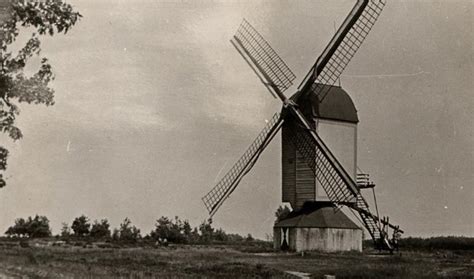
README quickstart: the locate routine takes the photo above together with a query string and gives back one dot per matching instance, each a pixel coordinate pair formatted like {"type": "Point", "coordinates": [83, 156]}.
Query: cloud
{"type": "Point", "coordinates": [235, 95]}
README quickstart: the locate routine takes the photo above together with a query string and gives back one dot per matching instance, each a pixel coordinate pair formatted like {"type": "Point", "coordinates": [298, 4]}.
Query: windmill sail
{"type": "Point", "coordinates": [343, 46]}
{"type": "Point", "coordinates": [269, 67]}
{"type": "Point", "coordinates": [214, 199]}
{"type": "Point", "coordinates": [277, 77]}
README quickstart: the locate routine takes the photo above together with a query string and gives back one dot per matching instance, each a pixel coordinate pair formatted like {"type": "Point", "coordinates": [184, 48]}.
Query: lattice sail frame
{"type": "Point", "coordinates": [277, 77]}
{"type": "Point", "coordinates": [327, 71]}
{"type": "Point", "coordinates": [214, 198]}
{"type": "Point", "coordinates": [266, 62]}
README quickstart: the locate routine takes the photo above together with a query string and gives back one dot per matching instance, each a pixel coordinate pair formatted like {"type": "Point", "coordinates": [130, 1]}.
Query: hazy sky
{"type": "Point", "coordinates": [153, 105]}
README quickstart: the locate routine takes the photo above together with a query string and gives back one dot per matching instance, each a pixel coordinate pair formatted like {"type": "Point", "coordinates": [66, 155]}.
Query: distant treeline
{"type": "Point", "coordinates": [167, 230]}
{"type": "Point", "coordinates": [437, 243]}
{"type": "Point", "coordinates": [434, 243]}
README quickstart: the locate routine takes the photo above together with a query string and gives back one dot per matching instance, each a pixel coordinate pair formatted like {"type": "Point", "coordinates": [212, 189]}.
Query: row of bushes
{"type": "Point", "coordinates": [433, 243]}
{"type": "Point", "coordinates": [30, 227]}
{"type": "Point", "coordinates": [166, 230]}
{"type": "Point", "coordinates": [438, 243]}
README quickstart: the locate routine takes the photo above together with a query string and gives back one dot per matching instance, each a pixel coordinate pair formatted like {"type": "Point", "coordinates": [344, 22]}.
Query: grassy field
{"type": "Point", "coordinates": [219, 261]}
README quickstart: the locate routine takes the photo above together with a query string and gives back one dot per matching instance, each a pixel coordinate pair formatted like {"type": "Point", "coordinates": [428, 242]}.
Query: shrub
{"type": "Point", "coordinates": [81, 226]}
{"type": "Point", "coordinates": [65, 231]}
{"type": "Point", "coordinates": [100, 229]}
{"type": "Point", "coordinates": [31, 227]}
{"type": "Point", "coordinates": [127, 232]}
{"type": "Point", "coordinates": [174, 231]}
{"type": "Point", "coordinates": [220, 235]}
{"type": "Point", "coordinates": [282, 212]}
{"type": "Point", "coordinates": [437, 243]}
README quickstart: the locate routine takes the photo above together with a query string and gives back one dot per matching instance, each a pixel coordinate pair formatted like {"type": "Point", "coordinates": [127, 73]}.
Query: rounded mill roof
{"type": "Point", "coordinates": [334, 104]}
{"type": "Point", "coordinates": [317, 215]}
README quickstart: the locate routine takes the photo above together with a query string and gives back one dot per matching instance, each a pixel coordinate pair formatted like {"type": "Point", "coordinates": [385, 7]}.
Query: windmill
{"type": "Point", "coordinates": [298, 118]}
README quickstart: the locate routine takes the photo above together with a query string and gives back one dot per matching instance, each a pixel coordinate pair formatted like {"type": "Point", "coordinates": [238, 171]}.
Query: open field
{"type": "Point", "coordinates": [219, 261]}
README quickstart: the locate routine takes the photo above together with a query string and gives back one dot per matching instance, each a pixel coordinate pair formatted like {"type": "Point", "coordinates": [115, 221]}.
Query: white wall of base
{"type": "Point", "coordinates": [322, 239]}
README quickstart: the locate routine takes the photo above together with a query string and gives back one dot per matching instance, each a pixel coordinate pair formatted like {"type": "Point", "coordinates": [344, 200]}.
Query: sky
{"type": "Point", "coordinates": [153, 105]}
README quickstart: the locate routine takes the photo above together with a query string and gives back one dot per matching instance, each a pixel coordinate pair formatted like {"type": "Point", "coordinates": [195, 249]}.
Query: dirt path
{"type": "Point", "coordinates": [298, 274]}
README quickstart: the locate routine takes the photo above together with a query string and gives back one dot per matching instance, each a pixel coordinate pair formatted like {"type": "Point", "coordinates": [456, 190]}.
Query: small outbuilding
{"type": "Point", "coordinates": [317, 226]}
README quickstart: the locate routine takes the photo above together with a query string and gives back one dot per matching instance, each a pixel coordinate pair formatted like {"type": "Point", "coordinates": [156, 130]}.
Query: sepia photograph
{"type": "Point", "coordinates": [236, 139]}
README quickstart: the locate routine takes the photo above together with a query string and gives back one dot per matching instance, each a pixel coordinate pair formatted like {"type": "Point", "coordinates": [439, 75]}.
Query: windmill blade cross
{"type": "Point", "coordinates": [262, 58]}
{"type": "Point", "coordinates": [342, 47]}
{"type": "Point", "coordinates": [214, 198]}
{"type": "Point", "coordinates": [277, 77]}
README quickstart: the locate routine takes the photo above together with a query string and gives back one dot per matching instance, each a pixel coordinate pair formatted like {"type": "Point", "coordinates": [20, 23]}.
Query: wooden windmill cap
{"type": "Point", "coordinates": [335, 105]}
{"type": "Point", "coordinates": [317, 215]}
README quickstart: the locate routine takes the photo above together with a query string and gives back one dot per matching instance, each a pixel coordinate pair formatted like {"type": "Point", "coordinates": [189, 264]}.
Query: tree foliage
{"type": "Point", "coordinates": [46, 18]}
{"type": "Point", "coordinates": [282, 212]}
{"type": "Point", "coordinates": [100, 229]}
{"type": "Point", "coordinates": [206, 231]}
{"type": "Point", "coordinates": [65, 230]}
{"type": "Point", "coordinates": [31, 227]}
{"type": "Point", "coordinates": [174, 231]}
{"type": "Point", "coordinates": [438, 243]}
{"type": "Point", "coordinates": [167, 230]}
{"type": "Point", "coordinates": [81, 226]}
{"type": "Point", "coordinates": [127, 232]}
{"type": "Point", "coordinates": [178, 231]}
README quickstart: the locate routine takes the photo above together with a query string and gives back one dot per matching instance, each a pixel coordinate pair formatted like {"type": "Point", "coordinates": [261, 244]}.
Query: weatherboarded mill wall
{"type": "Point", "coordinates": [335, 119]}
{"type": "Point", "coordinates": [299, 184]}
{"type": "Point", "coordinates": [288, 155]}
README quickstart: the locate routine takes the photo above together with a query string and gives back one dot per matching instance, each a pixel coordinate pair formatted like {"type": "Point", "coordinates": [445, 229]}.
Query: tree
{"type": "Point", "coordinates": [38, 227]}
{"type": "Point", "coordinates": [174, 231]}
{"type": "Point", "coordinates": [249, 238]}
{"type": "Point", "coordinates": [282, 212]}
{"type": "Point", "coordinates": [188, 232]}
{"type": "Point", "coordinates": [81, 226]}
{"type": "Point", "coordinates": [100, 229]}
{"type": "Point", "coordinates": [65, 230]}
{"type": "Point", "coordinates": [194, 236]}
{"type": "Point", "coordinates": [128, 232]}
{"type": "Point", "coordinates": [46, 17]}
{"type": "Point", "coordinates": [31, 227]}
{"type": "Point", "coordinates": [206, 231]}
{"type": "Point", "coordinates": [116, 234]}
{"type": "Point", "coordinates": [220, 235]}
{"type": "Point", "coordinates": [164, 230]}
{"type": "Point", "coordinates": [19, 229]}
